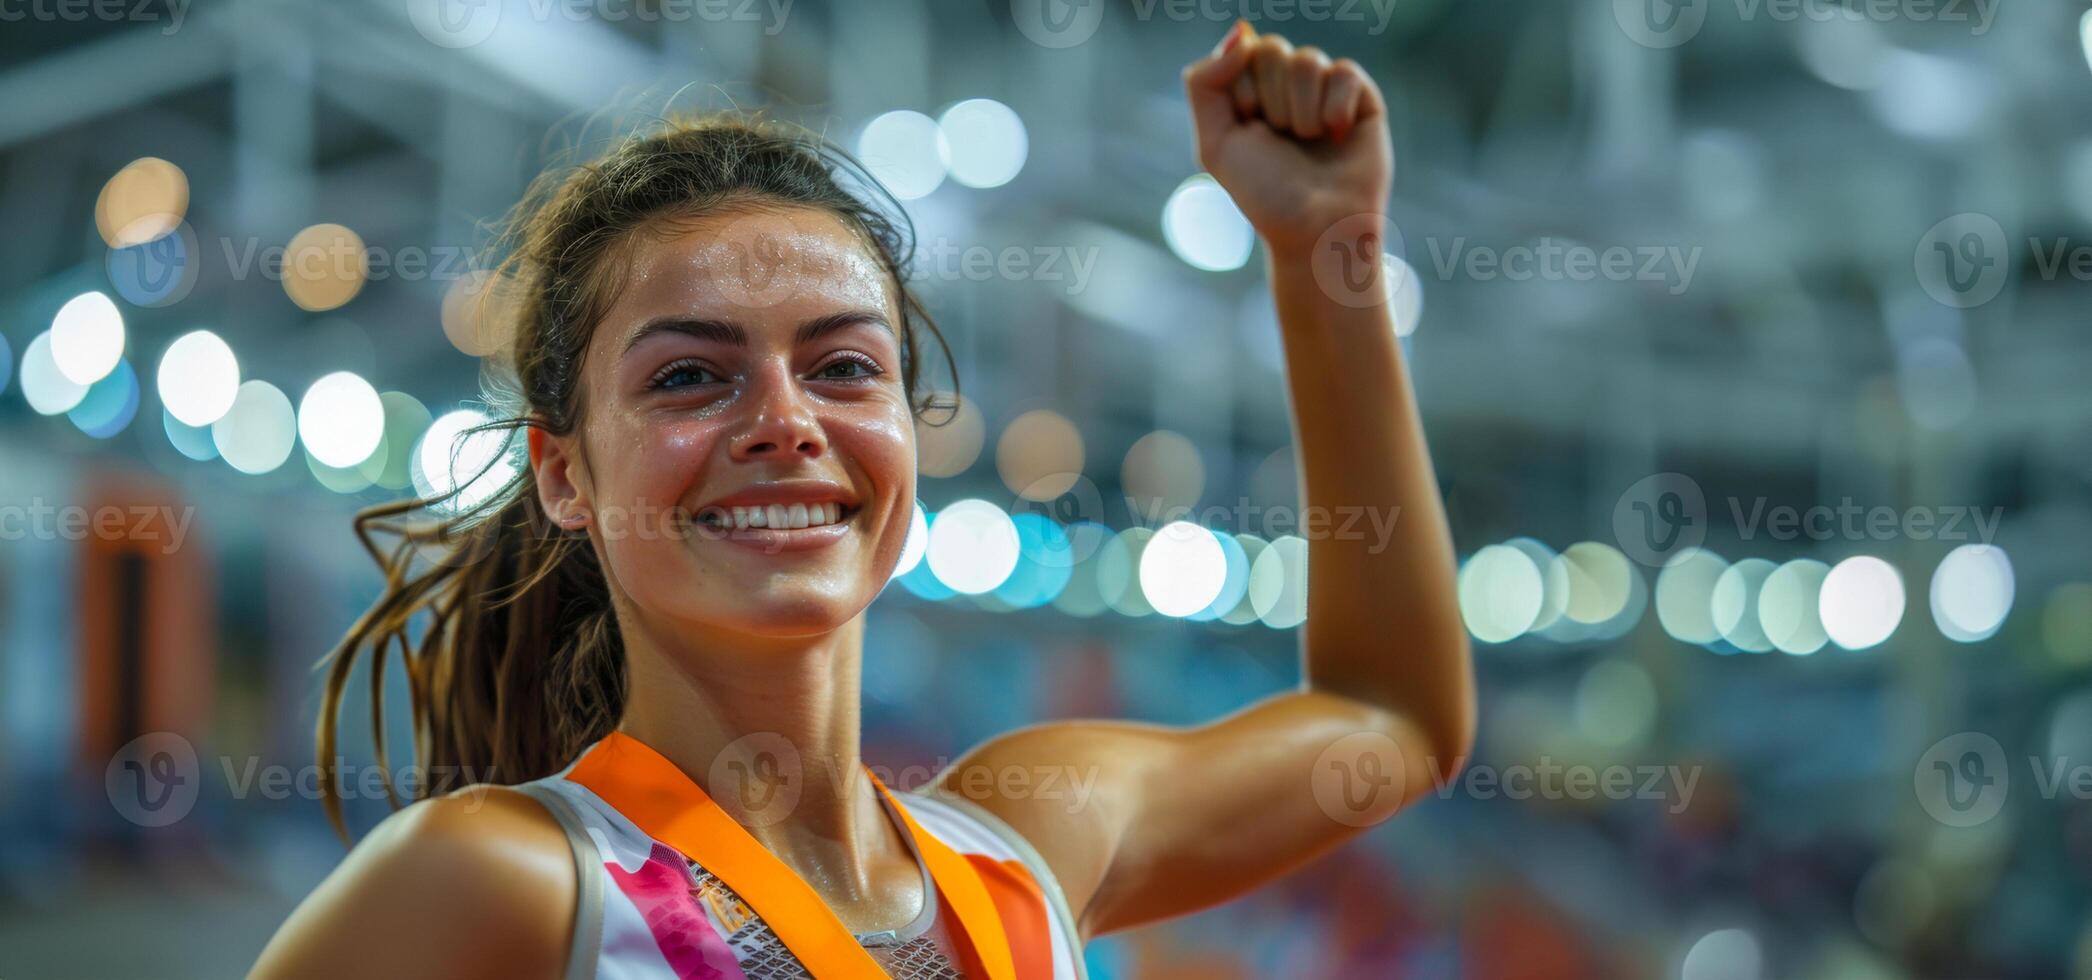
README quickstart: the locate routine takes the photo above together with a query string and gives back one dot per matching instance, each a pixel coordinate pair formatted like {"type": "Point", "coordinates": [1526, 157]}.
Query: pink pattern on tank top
{"type": "Point", "coordinates": [661, 891]}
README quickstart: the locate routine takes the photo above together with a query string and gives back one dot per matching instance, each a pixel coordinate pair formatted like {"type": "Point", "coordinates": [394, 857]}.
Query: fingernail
{"type": "Point", "coordinates": [1234, 37]}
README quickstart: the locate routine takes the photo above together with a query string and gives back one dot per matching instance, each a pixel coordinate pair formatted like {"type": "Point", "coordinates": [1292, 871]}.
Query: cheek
{"type": "Point", "coordinates": [883, 444]}
{"type": "Point", "coordinates": [659, 462]}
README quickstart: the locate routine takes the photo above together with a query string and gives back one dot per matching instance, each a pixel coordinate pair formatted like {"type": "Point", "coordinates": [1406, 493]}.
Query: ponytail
{"type": "Point", "coordinates": [489, 704]}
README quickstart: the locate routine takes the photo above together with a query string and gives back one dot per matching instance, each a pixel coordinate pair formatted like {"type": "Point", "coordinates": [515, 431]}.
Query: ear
{"type": "Point", "coordinates": [562, 479]}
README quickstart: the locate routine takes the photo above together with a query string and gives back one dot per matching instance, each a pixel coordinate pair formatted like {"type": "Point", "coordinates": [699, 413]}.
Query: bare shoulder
{"type": "Point", "coordinates": [478, 882]}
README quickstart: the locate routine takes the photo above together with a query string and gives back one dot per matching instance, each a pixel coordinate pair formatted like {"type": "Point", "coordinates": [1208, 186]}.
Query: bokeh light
{"type": "Point", "coordinates": [1118, 572]}
{"type": "Point", "coordinates": [392, 465]}
{"type": "Point", "coordinates": [193, 441]}
{"type": "Point", "coordinates": [1599, 580]}
{"type": "Point", "coordinates": [1182, 569]}
{"type": "Point", "coordinates": [1789, 604]}
{"type": "Point", "coordinates": [1501, 593]}
{"type": "Point", "coordinates": [1205, 228]}
{"type": "Point", "coordinates": [1040, 455]}
{"type": "Point", "coordinates": [1685, 595]}
{"type": "Point", "coordinates": [984, 142]}
{"type": "Point", "coordinates": [1971, 592]}
{"type": "Point", "coordinates": [1862, 602]}
{"type": "Point", "coordinates": [47, 389]}
{"type": "Point", "coordinates": [1162, 473]}
{"type": "Point", "coordinates": [324, 267]}
{"type": "Point", "coordinates": [918, 539]}
{"type": "Point", "coordinates": [1043, 567]}
{"type": "Point", "coordinates": [1616, 703]}
{"type": "Point", "coordinates": [459, 465]}
{"type": "Point", "coordinates": [1724, 954]}
{"type": "Point", "coordinates": [198, 378]}
{"type": "Point", "coordinates": [479, 313]}
{"type": "Point", "coordinates": [973, 546]}
{"type": "Point", "coordinates": [1278, 582]}
{"type": "Point", "coordinates": [141, 202]}
{"type": "Point", "coordinates": [1736, 599]}
{"type": "Point", "coordinates": [257, 434]}
{"type": "Point", "coordinates": [1244, 611]}
{"type": "Point", "coordinates": [1554, 581]}
{"type": "Point", "coordinates": [341, 420]}
{"type": "Point", "coordinates": [950, 440]}
{"type": "Point", "coordinates": [87, 338]}
{"type": "Point", "coordinates": [110, 405]}
{"type": "Point", "coordinates": [906, 151]}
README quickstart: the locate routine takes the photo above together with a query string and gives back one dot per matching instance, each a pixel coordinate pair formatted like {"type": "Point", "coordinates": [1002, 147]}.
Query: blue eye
{"type": "Point", "coordinates": [682, 374]}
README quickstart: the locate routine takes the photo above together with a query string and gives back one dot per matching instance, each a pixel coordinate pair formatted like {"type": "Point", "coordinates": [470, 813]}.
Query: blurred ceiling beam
{"type": "Point", "coordinates": [99, 78]}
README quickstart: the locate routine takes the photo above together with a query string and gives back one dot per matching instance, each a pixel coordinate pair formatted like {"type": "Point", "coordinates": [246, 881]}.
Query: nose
{"type": "Point", "coordinates": [780, 421]}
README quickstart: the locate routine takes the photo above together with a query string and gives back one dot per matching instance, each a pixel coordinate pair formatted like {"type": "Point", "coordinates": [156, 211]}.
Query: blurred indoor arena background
{"type": "Point", "coordinates": [1750, 336]}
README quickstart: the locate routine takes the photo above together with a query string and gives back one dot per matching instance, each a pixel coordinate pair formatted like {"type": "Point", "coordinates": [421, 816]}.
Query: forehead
{"type": "Point", "coordinates": [753, 267]}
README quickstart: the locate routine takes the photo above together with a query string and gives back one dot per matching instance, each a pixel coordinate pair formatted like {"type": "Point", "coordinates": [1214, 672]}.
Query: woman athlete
{"type": "Point", "coordinates": [645, 653]}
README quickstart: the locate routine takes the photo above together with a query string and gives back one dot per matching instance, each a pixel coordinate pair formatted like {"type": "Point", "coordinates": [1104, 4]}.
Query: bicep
{"type": "Point", "coordinates": [1161, 821]}
{"type": "Point", "coordinates": [461, 886]}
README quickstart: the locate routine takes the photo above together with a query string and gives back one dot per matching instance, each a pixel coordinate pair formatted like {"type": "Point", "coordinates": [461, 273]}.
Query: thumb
{"type": "Point", "coordinates": [1210, 82]}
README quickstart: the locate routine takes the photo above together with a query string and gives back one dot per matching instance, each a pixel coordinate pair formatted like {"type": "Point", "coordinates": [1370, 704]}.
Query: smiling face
{"type": "Point", "coordinates": [745, 455]}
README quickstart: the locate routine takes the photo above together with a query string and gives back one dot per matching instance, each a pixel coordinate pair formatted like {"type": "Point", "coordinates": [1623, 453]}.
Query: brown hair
{"type": "Point", "coordinates": [519, 664]}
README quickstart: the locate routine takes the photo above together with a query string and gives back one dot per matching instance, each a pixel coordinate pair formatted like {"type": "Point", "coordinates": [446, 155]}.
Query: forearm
{"type": "Point", "coordinates": [1383, 619]}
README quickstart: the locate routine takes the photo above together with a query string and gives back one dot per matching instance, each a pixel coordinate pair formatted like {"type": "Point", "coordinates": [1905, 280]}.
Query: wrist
{"type": "Point", "coordinates": [1334, 224]}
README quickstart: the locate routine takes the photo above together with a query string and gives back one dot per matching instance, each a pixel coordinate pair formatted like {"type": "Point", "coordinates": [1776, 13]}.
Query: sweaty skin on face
{"type": "Point", "coordinates": [745, 349]}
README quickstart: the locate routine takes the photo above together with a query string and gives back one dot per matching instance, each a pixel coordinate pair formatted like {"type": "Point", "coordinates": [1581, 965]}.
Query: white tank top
{"type": "Point", "coordinates": [646, 912]}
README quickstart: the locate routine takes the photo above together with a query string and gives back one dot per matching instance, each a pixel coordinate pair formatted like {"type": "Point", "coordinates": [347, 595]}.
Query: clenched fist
{"type": "Point", "coordinates": [1299, 141]}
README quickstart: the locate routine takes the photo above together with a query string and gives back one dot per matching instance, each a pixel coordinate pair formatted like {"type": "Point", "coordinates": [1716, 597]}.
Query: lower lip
{"type": "Point", "coordinates": [771, 540]}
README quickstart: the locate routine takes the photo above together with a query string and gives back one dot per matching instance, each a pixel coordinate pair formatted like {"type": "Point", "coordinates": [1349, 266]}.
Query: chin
{"type": "Point", "coordinates": [790, 612]}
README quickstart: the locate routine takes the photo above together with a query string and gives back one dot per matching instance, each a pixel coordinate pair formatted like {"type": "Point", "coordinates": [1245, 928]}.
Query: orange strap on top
{"type": "Point", "coordinates": [669, 806]}
{"type": "Point", "coordinates": [967, 894]}
{"type": "Point", "coordinates": [1022, 905]}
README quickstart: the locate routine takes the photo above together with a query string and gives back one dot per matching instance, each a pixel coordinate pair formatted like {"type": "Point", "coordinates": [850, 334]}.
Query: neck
{"type": "Point", "coordinates": [768, 727]}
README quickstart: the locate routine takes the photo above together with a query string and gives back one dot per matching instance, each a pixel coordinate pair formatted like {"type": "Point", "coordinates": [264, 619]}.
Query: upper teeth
{"type": "Point", "coordinates": [785, 516]}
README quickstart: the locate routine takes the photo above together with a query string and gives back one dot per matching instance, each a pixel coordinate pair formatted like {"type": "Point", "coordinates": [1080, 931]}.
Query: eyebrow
{"type": "Point", "coordinates": [731, 333]}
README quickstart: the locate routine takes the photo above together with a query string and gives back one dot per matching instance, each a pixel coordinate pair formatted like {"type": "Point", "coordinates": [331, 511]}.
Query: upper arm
{"type": "Point", "coordinates": [1142, 822]}
{"type": "Point", "coordinates": [477, 883]}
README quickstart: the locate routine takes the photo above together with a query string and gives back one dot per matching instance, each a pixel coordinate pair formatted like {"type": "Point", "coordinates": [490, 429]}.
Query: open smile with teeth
{"type": "Point", "coordinates": [776, 516]}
